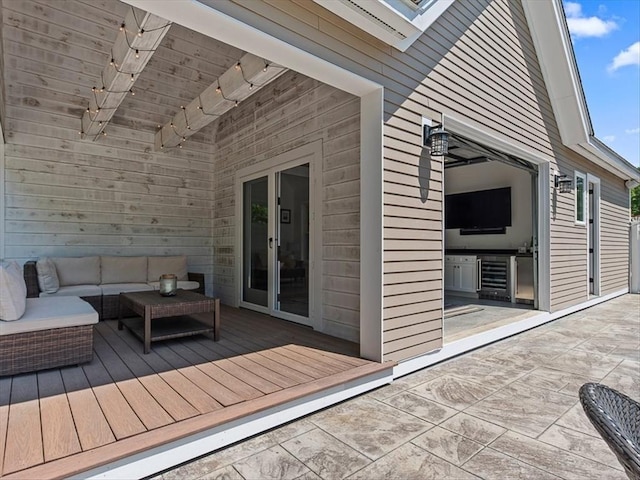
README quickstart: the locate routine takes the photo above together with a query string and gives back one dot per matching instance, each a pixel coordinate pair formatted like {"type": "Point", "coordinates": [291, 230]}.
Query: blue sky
{"type": "Point", "coordinates": [606, 41]}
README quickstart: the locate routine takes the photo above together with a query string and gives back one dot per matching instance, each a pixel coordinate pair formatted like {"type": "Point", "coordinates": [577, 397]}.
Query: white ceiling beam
{"type": "Point", "coordinates": [249, 75]}
{"type": "Point", "coordinates": [139, 36]}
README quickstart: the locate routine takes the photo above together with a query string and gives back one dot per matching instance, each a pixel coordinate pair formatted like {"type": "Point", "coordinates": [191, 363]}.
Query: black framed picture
{"type": "Point", "coordinates": [285, 215]}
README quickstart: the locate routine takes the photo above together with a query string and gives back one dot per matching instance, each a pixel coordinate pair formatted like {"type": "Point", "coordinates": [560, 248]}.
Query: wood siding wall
{"type": "Point", "coordinates": [569, 259]}
{"type": "Point", "coordinates": [293, 111]}
{"type": "Point", "coordinates": [476, 62]}
{"type": "Point", "coordinates": [114, 196]}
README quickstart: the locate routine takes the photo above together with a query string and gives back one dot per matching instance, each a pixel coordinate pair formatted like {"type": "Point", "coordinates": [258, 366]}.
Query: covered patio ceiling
{"type": "Point", "coordinates": [129, 76]}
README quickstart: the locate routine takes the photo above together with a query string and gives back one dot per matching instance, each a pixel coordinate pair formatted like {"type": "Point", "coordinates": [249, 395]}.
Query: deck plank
{"type": "Point", "coordinates": [121, 417]}
{"type": "Point", "coordinates": [159, 388]}
{"type": "Point", "coordinates": [5, 397]}
{"type": "Point", "coordinates": [275, 356]}
{"type": "Point", "coordinates": [59, 435]}
{"type": "Point", "coordinates": [256, 381]}
{"type": "Point", "coordinates": [23, 427]}
{"type": "Point", "coordinates": [91, 424]}
{"type": "Point", "coordinates": [333, 362]}
{"type": "Point", "coordinates": [165, 362]}
{"type": "Point", "coordinates": [234, 384]}
{"type": "Point", "coordinates": [145, 406]}
{"type": "Point", "coordinates": [294, 356]}
{"type": "Point", "coordinates": [266, 373]}
{"type": "Point", "coordinates": [216, 390]}
{"type": "Point", "coordinates": [286, 371]}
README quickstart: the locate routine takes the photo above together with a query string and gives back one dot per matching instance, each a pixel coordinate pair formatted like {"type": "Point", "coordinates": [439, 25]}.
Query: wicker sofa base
{"type": "Point", "coordinates": [39, 350]}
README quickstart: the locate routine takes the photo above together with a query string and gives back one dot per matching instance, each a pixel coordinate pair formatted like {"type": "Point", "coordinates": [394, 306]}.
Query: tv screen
{"type": "Point", "coordinates": [482, 209]}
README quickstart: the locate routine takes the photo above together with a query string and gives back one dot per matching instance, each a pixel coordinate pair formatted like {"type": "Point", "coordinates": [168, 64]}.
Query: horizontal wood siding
{"type": "Point", "coordinates": [113, 196]}
{"type": "Point", "coordinates": [477, 61]}
{"type": "Point", "coordinates": [292, 111]}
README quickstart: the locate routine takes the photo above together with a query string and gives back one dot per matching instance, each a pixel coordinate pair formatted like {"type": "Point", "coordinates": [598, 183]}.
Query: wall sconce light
{"type": "Point", "coordinates": [436, 139]}
{"type": "Point", "coordinates": [562, 182]}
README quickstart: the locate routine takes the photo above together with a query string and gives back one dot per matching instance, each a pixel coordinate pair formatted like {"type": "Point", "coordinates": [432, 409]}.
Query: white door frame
{"type": "Point", "coordinates": [595, 181]}
{"type": "Point", "coordinates": [311, 154]}
{"type": "Point", "coordinates": [469, 129]}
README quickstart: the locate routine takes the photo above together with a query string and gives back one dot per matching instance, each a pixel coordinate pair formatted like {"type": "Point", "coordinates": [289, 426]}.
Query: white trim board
{"type": "Point", "coordinates": [153, 461]}
{"type": "Point", "coordinates": [456, 348]}
{"type": "Point", "coordinates": [3, 203]}
{"type": "Point", "coordinates": [215, 24]}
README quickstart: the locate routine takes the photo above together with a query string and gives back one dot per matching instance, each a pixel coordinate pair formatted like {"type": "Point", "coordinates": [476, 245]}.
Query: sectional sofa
{"type": "Point", "coordinates": [99, 280]}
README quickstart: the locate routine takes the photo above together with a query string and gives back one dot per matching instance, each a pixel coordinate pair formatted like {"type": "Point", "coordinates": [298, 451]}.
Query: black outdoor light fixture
{"type": "Point", "coordinates": [562, 182]}
{"type": "Point", "coordinates": [436, 139]}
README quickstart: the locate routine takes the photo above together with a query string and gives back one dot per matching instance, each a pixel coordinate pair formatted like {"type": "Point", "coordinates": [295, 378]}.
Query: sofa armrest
{"type": "Point", "coordinates": [31, 279]}
{"type": "Point", "coordinates": [196, 277]}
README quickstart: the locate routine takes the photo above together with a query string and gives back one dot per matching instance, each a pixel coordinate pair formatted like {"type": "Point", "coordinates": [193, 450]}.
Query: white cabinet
{"type": "Point", "coordinates": [461, 273]}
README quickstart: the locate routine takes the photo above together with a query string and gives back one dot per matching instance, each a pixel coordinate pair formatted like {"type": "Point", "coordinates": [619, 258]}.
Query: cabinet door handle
{"type": "Point", "coordinates": [479, 275]}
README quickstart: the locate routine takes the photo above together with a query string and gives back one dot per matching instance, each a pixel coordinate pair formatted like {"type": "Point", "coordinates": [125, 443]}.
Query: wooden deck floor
{"type": "Point", "coordinates": [65, 421]}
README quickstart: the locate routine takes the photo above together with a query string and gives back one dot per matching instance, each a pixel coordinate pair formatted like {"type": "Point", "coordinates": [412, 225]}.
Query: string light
{"type": "Point", "coordinates": [266, 66]}
{"type": "Point", "coordinates": [132, 92]}
{"type": "Point", "coordinates": [140, 32]}
{"type": "Point", "coordinates": [122, 25]}
{"type": "Point", "coordinates": [238, 66]}
{"type": "Point", "coordinates": [137, 53]}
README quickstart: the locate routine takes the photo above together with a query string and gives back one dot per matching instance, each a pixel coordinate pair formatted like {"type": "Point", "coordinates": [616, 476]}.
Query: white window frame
{"type": "Point", "coordinates": [585, 197]}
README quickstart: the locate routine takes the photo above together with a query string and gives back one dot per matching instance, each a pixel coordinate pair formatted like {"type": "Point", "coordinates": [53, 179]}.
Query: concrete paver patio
{"type": "Point", "coordinates": [506, 411]}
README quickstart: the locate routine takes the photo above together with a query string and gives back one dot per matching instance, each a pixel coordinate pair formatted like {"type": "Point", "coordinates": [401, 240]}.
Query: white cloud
{"type": "Point", "coordinates": [609, 138]}
{"type": "Point", "coordinates": [630, 56]}
{"type": "Point", "coordinates": [632, 131]}
{"type": "Point", "coordinates": [581, 26]}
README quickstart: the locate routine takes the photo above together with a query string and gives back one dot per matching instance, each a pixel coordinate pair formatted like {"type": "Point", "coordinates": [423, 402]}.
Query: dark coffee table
{"type": "Point", "coordinates": [161, 318]}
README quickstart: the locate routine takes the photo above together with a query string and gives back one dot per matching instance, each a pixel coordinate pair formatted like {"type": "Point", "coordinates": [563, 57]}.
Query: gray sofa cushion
{"type": "Point", "coordinates": [160, 265]}
{"type": "Point", "coordinates": [78, 270]}
{"type": "Point", "coordinates": [117, 288]}
{"type": "Point", "coordinates": [75, 291]}
{"type": "Point", "coordinates": [123, 270]}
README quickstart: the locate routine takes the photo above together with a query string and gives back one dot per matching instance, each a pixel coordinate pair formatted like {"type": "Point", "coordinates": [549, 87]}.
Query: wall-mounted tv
{"type": "Point", "coordinates": [480, 210]}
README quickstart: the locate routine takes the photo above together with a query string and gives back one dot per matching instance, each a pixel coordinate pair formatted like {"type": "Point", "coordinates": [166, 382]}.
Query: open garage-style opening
{"type": "Point", "coordinates": [491, 238]}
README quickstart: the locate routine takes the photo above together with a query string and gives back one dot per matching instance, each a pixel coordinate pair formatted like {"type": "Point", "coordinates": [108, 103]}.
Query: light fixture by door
{"type": "Point", "coordinates": [562, 182]}
{"type": "Point", "coordinates": [436, 138]}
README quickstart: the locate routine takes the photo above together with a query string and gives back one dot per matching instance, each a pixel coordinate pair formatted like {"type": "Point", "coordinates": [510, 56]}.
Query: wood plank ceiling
{"type": "Point", "coordinates": [182, 67]}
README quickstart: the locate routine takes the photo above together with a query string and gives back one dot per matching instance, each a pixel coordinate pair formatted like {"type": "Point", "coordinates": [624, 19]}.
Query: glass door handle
{"type": "Point", "coordinates": [270, 242]}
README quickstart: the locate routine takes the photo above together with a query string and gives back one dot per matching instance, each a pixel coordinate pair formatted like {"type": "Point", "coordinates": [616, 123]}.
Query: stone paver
{"type": "Point", "coordinates": [508, 410]}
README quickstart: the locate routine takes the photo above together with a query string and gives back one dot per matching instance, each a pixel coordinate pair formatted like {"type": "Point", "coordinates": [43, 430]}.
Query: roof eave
{"type": "Point", "coordinates": [552, 41]}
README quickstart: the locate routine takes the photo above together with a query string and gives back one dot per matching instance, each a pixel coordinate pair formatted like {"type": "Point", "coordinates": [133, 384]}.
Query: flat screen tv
{"type": "Point", "coordinates": [480, 210]}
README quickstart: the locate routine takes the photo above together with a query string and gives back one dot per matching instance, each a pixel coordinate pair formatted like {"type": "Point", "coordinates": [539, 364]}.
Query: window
{"type": "Point", "coordinates": [580, 198]}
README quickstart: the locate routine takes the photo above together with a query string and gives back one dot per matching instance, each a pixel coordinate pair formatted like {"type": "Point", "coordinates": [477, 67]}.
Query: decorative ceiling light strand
{"type": "Point", "coordinates": [237, 83]}
{"type": "Point", "coordinates": [129, 55]}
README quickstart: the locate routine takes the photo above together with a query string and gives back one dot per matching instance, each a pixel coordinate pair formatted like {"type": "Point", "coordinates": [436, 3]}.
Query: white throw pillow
{"type": "Point", "coordinates": [47, 275]}
{"type": "Point", "coordinates": [13, 292]}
